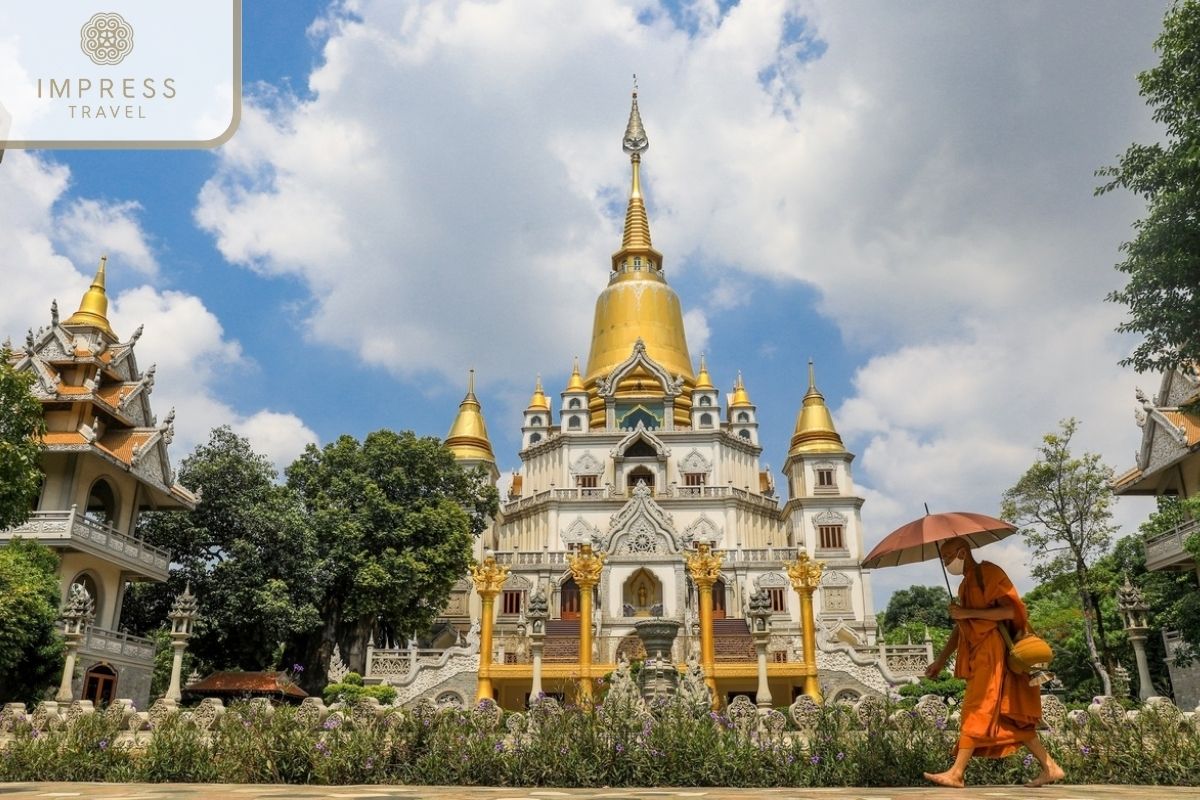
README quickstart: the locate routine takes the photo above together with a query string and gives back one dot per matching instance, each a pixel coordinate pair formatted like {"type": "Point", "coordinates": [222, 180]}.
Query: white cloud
{"type": "Point", "coordinates": [181, 335]}
{"type": "Point", "coordinates": [451, 193]}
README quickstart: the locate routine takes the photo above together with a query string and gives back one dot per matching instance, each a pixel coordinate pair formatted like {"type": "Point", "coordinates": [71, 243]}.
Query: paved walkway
{"type": "Point", "coordinates": [176, 791]}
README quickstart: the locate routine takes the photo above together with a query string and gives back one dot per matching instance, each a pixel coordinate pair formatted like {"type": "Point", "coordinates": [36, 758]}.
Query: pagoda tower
{"type": "Point", "coordinates": [104, 462]}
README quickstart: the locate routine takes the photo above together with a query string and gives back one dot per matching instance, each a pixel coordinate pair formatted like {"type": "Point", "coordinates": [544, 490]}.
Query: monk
{"type": "Point", "coordinates": [1000, 710]}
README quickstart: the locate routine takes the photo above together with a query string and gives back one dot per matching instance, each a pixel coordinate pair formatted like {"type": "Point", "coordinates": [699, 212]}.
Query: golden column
{"type": "Point", "coordinates": [585, 569]}
{"type": "Point", "coordinates": [705, 568]}
{"type": "Point", "coordinates": [488, 577]}
{"type": "Point", "coordinates": [806, 576]}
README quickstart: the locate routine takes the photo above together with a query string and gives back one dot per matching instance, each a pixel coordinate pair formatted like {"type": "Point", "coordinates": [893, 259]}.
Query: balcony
{"type": "Point", "coordinates": [70, 529]}
{"type": "Point", "coordinates": [1167, 551]}
{"type": "Point", "coordinates": [106, 644]}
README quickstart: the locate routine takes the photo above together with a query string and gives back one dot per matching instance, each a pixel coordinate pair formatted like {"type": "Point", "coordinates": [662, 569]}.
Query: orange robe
{"type": "Point", "coordinates": [1000, 710]}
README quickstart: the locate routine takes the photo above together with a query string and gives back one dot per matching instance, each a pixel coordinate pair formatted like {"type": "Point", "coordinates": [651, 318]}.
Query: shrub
{"type": "Point", "coordinates": [351, 689]}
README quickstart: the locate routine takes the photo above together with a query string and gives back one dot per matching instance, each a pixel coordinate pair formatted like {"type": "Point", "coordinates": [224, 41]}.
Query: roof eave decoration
{"type": "Point", "coordinates": [672, 387]}
{"type": "Point", "coordinates": [641, 433]}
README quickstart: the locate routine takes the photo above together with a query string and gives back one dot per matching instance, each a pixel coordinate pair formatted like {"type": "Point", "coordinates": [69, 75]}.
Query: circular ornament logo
{"type": "Point", "coordinates": [106, 38]}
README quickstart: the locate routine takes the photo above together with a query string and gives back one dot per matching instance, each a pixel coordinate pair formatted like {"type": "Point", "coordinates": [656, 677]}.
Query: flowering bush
{"type": "Point", "coordinates": [616, 744]}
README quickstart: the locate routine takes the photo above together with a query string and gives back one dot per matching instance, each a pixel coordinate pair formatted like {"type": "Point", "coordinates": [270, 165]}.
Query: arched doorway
{"type": "Point", "coordinates": [102, 503]}
{"type": "Point", "coordinates": [100, 685]}
{"type": "Point", "coordinates": [642, 595]}
{"type": "Point", "coordinates": [568, 599]}
{"type": "Point", "coordinates": [640, 474]}
{"type": "Point", "coordinates": [719, 604]}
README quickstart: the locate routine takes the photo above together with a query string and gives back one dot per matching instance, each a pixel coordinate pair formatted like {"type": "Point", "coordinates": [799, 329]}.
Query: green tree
{"type": "Point", "coordinates": [1163, 259]}
{"type": "Point", "coordinates": [21, 429]}
{"type": "Point", "coordinates": [31, 651]}
{"type": "Point", "coordinates": [394, 516]}
{"type": "Point", "coordinates": [928, 605]}
{"type": "Point", "coordinates": [1063, 506]}
{"type": "Point", "coordinates": [245, 550]}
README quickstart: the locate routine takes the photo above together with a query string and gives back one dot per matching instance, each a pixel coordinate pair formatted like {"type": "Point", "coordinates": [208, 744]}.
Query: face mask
{"type": "Point", "coordinates": [955, 567]}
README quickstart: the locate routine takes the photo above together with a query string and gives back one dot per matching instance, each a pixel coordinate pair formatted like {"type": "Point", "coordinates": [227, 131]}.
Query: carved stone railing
{"type": "Point", "coordinates": [531, 558]}
{"type": "Point", "coordinates": [1167, 549]}
{"type": "Point", "coordinates": [71, 528]}
{"type": "Point", "coordinates": [101, 642]}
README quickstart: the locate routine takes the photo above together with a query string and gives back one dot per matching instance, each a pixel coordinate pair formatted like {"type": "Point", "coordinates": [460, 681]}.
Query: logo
{"type": "Point", "coordinates": [106, 39]}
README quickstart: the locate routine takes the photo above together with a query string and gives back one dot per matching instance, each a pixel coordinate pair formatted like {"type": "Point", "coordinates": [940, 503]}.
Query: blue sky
{"type": "Point", "coordinates": [902, 194]}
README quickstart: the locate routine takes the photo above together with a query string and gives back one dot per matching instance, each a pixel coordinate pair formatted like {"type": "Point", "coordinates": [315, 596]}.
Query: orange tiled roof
{"type": "Point", "coordinates": [65, 389]}
{"type": "Point", "coordinates": [242, 683]}
{"type": "Point", "coordinates": [1127, 478]}
{"type": "Point", "coordinates": [1189, 422]}
{"type": "Point", "coordinates": [114, 393]}
{"type": "Point", "coordinates": [63, 437]}
{"type": "Point", "coordinates": [514, 491]}
{"type": "Point", "coordinates": [120, 444]}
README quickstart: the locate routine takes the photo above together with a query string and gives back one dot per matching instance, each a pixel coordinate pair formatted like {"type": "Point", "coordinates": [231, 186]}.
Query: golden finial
{"type": "Point", "coordinates": [93, 308]}
{"type": "Point", "coordinates": [804, 572]}
{"type": "Point", "coordinates": [586, 566]}
{"type": "Point", "coordinates": [741, 398]}
{"type": "Point", "coordinates": [635, 142]}
{"type": "Point", "coordinates": [468, 436]}
{"type": "Point", "coordinates": [489, 576]}
{"type": "Point", "coordinates": [575, 384]}
{"type": "Point", "coordinates": [705, 564]}
{"type": "Point", "coordinates": [703, 379]}
{"type": "Point", "coordinates": [636, 239]}
{"type": "Point", "coordinates": [538, 402]}
{"type": "Point", "coordinates": [814, 432]}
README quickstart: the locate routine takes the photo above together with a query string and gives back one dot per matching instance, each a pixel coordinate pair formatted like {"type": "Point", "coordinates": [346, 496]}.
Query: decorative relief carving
{"type": "Point", "coordinates": [702, 530]}
{"type": "Point", "coordinates": [829, 517]}
{"type": "Point", "coordinates": [671, 387]}
{"type": "Point", "coordinates": [641, 433]}
{"type": "Point", "coordinates": [770, 579]}
{"type": "Point", "coordinates": [640, 516]}
{"type": "Point", "coordinates": [695, 462]}
{"type": "Point", "coordinates": [581, 532]}
{"type": "Point", "coordinates": [587, 464]}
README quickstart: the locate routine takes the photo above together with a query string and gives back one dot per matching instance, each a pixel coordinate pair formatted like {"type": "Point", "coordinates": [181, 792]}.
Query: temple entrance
{"type": "Point", "coordinates": [568, 599]}
{"type": "Point", "coordinates": [100, 685]}
{"type": "Point", "coordinates": [640, 474]}
{"type": "Point", "coordinates": [642, 595]}
{"type": "Point", "coordinates": [719, 599]}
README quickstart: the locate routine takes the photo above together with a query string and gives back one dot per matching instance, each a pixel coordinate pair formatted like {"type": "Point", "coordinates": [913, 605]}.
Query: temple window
{"type": "Point", "coordinates": [575, 424]}
{"type": "Point", "coordinates": [640, 449]}
{"type": "Point", "coordinates": [745, 434]}
{"type": "Point", "coordinates": [743, 416]}
{"type": "Point", "coordinates": [102, 503]}
{"type": "Point", "coordinates": [830, 537]}
{"type": "Point", "coordinates": [706, 401]}
{"type": "Point", "coordinates": [706, 420]}
{"type": "Point", "coordinates": [586, 481]}
{"type": "Point", "coordinates": [639, 474]}
{"type": "Point", "coordinates": [825, 479]}
{"type": "Point", "coordinates": [836, 600]}
{"type": "Point", "coordinates": [534, 438]}
{"type": "Point", "coordinates": [575, 403]}
{"type": "Point", "coordinates": [694, 478]}
{"type": "Point", "coordinates": [778, 599]}
{"type": "Point", "coordinates": [535, 421]}
{"type": "Point", "coordinates": [510, 602]}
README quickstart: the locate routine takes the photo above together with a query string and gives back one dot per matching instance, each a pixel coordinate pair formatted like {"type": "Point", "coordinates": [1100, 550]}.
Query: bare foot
{"type": "Point", "coordinates": [1050, 774]}
{"type": "Point", "coordinates": [950, 780]}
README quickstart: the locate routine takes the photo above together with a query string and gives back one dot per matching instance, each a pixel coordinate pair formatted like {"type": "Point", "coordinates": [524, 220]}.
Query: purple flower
{"type": "Point", "coordinates": [620, 748]}
{"type": "Point", "coordinates": [941, 724]}
{"type": "Point", "coordinates": [840, 756]}
{"type": "Point", "coordinates": [1085, 750]}
{"type": "Point", "coordinates": [331, 723]}
{"type": "Point", "coordinates": [791, 759]}
{"type": "Point", "coordinates": [815, 760]}
{"type": "Point", "coordinates": [1028, 759]}
{"type": "Point", "coordinates": [499, 747]}
{"type": "Point", "coordinates": [35, 733]}
{"type": "Point", "coordinates": [297, 668]}
{"type": "Point", "coordinates": [103, 744]}
{"type": "Point", "coordinates": [370, 763]}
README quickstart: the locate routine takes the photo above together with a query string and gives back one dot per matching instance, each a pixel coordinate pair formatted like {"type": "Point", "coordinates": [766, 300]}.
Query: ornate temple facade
{"type": "Point", "coordinates": [104, 463]}
{"type": "Point", "coordinates": [1168, 463]}
{"type": "Point", "coordinates": [641, 461]}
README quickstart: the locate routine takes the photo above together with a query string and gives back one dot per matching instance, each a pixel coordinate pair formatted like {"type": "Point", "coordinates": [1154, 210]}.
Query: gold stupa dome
{"type": "Point", "coordinates": [468, 436]}
{"type": "Point", "coordinates": [538, 402]}
{"type": "Point", "coordinates": [638, 303]}
{"type": "Point", "coordinates": [575, 384]}
{"type": "Point", "coordinates": [704, 380]}
{"type": "Point", "coordinates": [93, 308]}
{"type": "Point", "coordinates": [815, 432]}
{"type": "Point", "coordinates": [741, 398]}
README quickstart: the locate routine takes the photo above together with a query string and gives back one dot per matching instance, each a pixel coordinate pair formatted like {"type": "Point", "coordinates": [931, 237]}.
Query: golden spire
{"type": "Point", "coordinates": [575, 384]}
{"type": "Point", "coordinates": [93, 308]}
{"type": "Point", "coordinates": [538, 402]}
{"type": "Point", "coordinates": [741, 399]}
{"type": "Point", "coordinates": [636, 239]}
{"type": "Point", "coordinates": [704, 380]}
{"type": "Point", "coordinates": [814, 424]}
{"type": "Point", "coordinates": [468, 437]}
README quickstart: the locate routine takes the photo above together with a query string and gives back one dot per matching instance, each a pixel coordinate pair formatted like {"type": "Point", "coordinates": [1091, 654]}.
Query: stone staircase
{"type": "Point", "coordinates": [732, 640]}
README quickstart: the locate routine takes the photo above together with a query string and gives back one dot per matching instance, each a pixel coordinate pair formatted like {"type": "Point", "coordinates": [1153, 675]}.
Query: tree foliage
{"type": "Point", "coordinates": [21, 429]}
{"type": "Point", "coordinates": [246, 551]}
{"type": "Point", "coordinates": [1163, 259]}
{"type": "Point", "coordinates": [928, 605]}
{"type": "Point", "coordinates": [31, 651]}
{"type": "Point", "coordinates": [1063, 506]}
{"type": "Point", "coordinates": [393, 518]}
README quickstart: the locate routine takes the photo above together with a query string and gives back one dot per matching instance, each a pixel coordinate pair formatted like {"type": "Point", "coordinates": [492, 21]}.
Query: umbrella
{"type": "Point", "coordinates": [921, 539]}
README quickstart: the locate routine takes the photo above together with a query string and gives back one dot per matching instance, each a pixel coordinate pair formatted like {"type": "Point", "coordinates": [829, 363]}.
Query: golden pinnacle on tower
{"type": "Point", "coordinates": [93, 308]}
{"type": "Point", "coordinates": [704, 380]}
{"type": "Point", "coordinates": [815, 432]}
{"type": "Point", "coordinates": [538, 402]}
{"type": "Point", "coordinates": [741, 398]}
{"type": "Point", "coordinates": [636, 239]}
{"type": "Point", "coordinates": [575, 384]}
{"type": "Point", "coordinates": [468, 436]}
